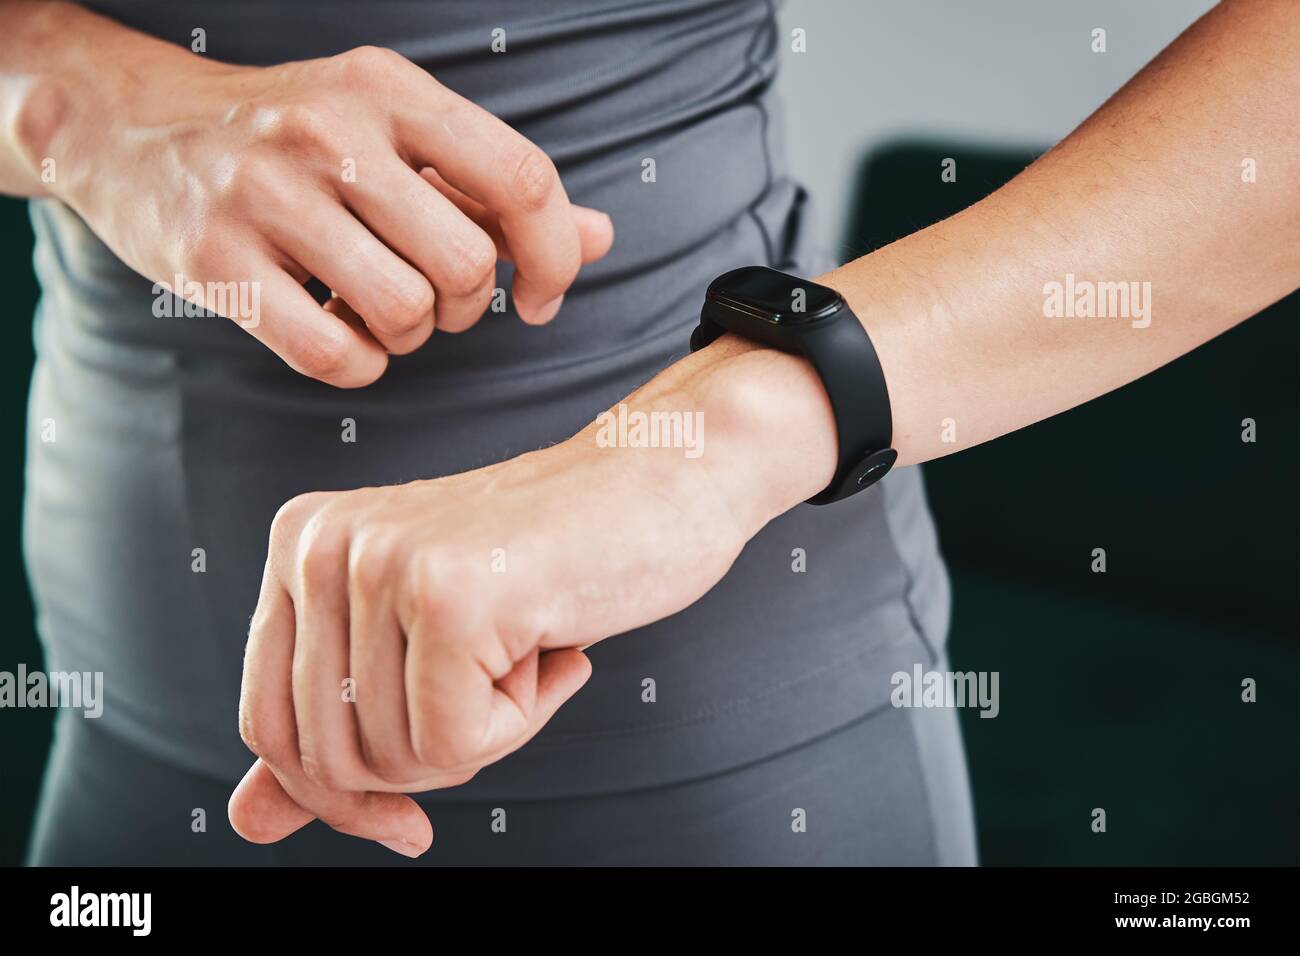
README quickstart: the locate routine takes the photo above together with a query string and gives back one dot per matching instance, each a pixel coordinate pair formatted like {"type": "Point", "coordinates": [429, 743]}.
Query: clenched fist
{"type": "Point", "coordinates": [407, 636]}
{"type": "Point", "coordinates": [360, 170]}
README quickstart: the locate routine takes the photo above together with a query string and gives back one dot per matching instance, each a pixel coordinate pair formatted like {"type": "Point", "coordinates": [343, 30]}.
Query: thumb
{"type": "Point", "coordinates": [259, 809]}
{"type": "Point", "coordinates": [267, 807]}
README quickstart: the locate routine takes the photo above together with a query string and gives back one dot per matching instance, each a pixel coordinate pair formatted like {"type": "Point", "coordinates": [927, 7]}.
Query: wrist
{"type": "Point", "coordinates": [735, 430]}
{"type": "Point", "coordinates": [769, 437]}
{"type": "Point", "coordinates": [42, 116]}
{"type": "Point", "coordinates": [35, 95]}
{"type": "Point", "coordinates": [772, 429]}
{"type": "Point", "coordinates": [771, 415]}
{"type": "Point", "coordinates": [67, 111]}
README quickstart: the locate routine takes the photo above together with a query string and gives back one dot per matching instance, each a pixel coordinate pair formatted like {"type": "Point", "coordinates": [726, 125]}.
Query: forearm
{"type": "Point", "coordinates": [472, 591]}
{"type": "Point", "coordinates": [1148, 190]}
{"type": "Point", "coordinates": [63, 69]}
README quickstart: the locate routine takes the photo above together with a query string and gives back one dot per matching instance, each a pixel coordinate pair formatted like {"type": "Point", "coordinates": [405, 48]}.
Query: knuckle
{"type": "Point", "coordinates": [406, 308]}
{"type": "Point", "coordinates": [321, 546]}
{"type": "Point", "coordinates": [371, 61]}
{"type": "Point", "coordinates": [294, 514]}
{"type": "Point", "coordinates": [439, 587]}
{"type": "Point", "coordinates": [311, 767]}
{"type": "Point", "coordinates": [474, 306]}
{"type": "Point", "coordinates": [387, 766]}
{"type": "Point", "coordinates": [314, 564]}
{"type": "Point", "coordinates": [435, 602]}
{"type": "Point", "coordinates": [271, 125]}
{"type": "Point", "coordinates": [322, 771]}
{"type": "Point", "coordinates": [249, 731]}
{"type": "Point", "coordinates": [438, 745]}
{"type": "Point", "coordinates": [534, 179]}
{"type": "Point", "coordinates": [303, 123]}
{"type": "Point", "coordinates": [260, 735]}
{"type": "Point", "coordinates": [371, 558]}
{"type": "Point", "coordinates": [472, 266]}
{"type": "Point", "coordinates": [325, 353]}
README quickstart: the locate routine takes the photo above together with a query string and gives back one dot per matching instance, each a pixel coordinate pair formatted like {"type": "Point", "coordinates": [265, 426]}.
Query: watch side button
{"type": "Point", "coordinates": [874, 467]}
{"type": "Point", "coordinates": [858, 478]}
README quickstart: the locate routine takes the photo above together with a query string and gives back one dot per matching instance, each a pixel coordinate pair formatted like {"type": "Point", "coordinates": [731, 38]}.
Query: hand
{"type": "Point", "coordinates": [456, 608]}
{"type": "Point", "coordinates": [359, 169]}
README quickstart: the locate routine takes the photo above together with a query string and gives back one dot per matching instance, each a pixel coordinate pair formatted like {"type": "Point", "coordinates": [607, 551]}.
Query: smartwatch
{"type": "Point", "coordinates": [795, 315]}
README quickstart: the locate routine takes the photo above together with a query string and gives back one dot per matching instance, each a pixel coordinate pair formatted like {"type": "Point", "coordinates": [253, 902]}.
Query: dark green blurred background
{"type": "Point", "coordinates": [1119, 690]}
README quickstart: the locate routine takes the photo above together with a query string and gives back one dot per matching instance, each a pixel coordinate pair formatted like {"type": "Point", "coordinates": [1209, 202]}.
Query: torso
{"type": "Point", "coordinates": [177, 434]}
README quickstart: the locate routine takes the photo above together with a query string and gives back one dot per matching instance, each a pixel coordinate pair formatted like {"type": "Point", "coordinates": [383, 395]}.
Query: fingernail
{"type": "Point", "coordinates": [402, 847]}
{"type": "Point", "coordinates": [548, 311]}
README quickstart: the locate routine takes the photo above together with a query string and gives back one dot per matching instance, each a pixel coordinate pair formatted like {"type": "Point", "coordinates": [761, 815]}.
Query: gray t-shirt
{"type": "Point", "coordinates": [174, 434]}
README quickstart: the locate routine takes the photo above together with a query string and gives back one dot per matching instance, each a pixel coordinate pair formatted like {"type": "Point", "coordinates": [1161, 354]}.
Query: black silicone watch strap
{"type": "Point", "coordinates": [842, 354]}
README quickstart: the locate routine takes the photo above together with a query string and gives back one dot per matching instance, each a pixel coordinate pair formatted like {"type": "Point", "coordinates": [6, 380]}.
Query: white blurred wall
{"type": "Point", "coordinates": [1017, 72]}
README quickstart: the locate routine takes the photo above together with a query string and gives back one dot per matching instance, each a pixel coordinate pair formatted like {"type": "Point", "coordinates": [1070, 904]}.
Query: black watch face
{"type": "Point", "coordinates": [774, 296]}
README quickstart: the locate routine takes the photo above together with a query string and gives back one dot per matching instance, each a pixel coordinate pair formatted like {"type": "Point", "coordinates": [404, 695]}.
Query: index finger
{"type": "Point", "coordinates": [492, 163]}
